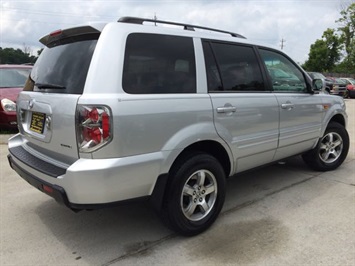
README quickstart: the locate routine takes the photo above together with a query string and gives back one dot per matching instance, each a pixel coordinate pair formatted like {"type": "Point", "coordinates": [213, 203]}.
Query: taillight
{"type": "Point", "coordinates": [93, 127]}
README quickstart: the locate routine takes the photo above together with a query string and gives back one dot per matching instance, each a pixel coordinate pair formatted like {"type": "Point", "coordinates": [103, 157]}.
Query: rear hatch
{"type": "Point", "coordinates": [47, 106]}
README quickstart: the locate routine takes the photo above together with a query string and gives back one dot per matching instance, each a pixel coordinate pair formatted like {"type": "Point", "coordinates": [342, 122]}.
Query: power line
{"type": "Point", "coordinates": [37, 21]}
{"type": "Point", "coordinates": [42, 12]}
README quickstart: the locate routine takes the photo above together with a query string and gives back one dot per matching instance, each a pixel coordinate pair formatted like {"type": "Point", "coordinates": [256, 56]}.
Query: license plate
{"type": "Point", "coordinates": [37, 122]}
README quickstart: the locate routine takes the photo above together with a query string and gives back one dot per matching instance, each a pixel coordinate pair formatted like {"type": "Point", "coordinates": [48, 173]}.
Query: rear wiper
{"type": "Point", "coordinates": [49, 86]}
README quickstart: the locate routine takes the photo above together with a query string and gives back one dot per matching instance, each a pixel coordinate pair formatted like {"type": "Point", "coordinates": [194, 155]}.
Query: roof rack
{"type": "Point", "coordinates": [136, 20]}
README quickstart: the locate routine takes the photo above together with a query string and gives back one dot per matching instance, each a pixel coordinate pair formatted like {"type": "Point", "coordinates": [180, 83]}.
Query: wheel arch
{"type": "Point", "coordinates": [211, 147]}
{"type": "Point", "coordinates": [336, 113]}
{"type": "Point", "coordinates": [314, 158]}
{"type": "Point", "coordinates": [338, 118]}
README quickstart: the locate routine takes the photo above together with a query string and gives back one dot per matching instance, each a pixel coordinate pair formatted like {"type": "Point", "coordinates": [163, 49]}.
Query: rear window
{"type": "Point", "coordinates": [63, 68]}
{"type": "Point", "coordinates": [235, 65]}
{"type": "Point", "coordinates": [159, 64]}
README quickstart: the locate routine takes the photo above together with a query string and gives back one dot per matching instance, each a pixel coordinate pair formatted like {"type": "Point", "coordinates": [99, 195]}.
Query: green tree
{"type": "Point", "coordinates": [324, 53]}
{"type": "Point", "coordinates": [347, 36]}
{"type": "Point", "coordinates": [347, 27]}
{"type": "Point", "coordinates": [334, 52]}
{"type": "Point", "coordinates": [15, 56]}
{"type": "Point", "coordinates": [316, 57]}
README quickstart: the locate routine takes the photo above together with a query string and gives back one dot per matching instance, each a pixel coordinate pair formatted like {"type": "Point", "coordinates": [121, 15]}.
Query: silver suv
{"type": "Point", "coordinates": [125, 111]}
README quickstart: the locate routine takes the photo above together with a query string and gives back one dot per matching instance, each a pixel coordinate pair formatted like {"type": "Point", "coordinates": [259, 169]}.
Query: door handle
{"type": "Point", "coordinates": [226, 109]}
{"type": "Point", "coordinates": [287, 106]}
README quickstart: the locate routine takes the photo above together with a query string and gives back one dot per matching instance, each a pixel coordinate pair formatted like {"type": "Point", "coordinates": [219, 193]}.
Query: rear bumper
{"type": "Point", "coordinates": [89, 183]}
{"type": "Point", "coordinates": [59, 194]}
{"type": "Point", "coordinates": [54, 191]}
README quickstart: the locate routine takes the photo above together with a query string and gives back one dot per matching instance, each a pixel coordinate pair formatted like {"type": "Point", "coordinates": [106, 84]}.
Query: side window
{"type": "Point", "coordinates": [285, 76]}
{"type": "Point", "coordinates": [237, 66]}
{"type": "Point", "coordinates": [159, 64]}
{"type": "Point", "coordinates": [213, 78]}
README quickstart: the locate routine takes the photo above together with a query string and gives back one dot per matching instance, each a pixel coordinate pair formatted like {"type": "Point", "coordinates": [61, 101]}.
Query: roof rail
{"type": "Point", "coordinates": [136, 20]}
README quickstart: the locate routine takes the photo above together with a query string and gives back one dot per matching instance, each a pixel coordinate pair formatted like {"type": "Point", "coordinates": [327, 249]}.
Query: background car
{"type": "Point", "coordinates": [328, 82]}
{"type": "Point", "coordinates": [12, 80]}
{"type": "Point", "coordinates": [339, 87]}
{"type": "Point", "coordinates": [350, 86]}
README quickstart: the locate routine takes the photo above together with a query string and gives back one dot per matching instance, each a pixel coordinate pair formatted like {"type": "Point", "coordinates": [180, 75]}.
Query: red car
{"type": "Point", "coordinates": [12, 80]}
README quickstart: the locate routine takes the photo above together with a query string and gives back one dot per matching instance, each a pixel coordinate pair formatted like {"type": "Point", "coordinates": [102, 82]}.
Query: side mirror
{"type": "Point", "coordinates": [318, 85]}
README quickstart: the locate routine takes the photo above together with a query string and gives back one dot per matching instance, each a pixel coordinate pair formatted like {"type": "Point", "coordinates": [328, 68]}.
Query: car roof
{"type": "Point", "coordinates": [188, 31]}
{"type": "Point", "coordinates": [143, 25]}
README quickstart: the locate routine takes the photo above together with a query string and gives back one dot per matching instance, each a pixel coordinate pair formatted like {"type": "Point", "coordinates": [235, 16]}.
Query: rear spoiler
{"type": "Point", "coordinates": [60, 37]}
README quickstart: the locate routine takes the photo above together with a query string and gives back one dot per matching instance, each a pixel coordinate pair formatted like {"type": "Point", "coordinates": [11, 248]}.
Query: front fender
{"type": "Point", "coordinates": [335, 110]}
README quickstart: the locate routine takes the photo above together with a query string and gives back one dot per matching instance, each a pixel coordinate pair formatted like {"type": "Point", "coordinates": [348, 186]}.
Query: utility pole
{"type": "Point", "coordinates": [155, 18]}
{"type": "Point", "coordinates": [282, 43]}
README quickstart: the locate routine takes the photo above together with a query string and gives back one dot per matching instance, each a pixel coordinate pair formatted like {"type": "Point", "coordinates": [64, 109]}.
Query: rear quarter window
{"type": "Point", "coordinates": [159, 64]}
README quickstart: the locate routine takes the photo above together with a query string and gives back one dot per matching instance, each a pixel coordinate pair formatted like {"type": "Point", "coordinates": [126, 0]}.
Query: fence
{"type": "Point", "coordinates": [339, 75]}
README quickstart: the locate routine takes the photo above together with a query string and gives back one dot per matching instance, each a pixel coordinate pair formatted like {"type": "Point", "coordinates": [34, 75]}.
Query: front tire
{"type": "Point", "coordinates": [331, 149]}
{"type": "Point", "coordinates": [195, 194]}
{"type": "Point", "coordinates": [346, 94]}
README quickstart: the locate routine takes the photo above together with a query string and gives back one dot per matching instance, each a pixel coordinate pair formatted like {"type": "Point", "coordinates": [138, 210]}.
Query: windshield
{"type": "Point", "coordinates": [13, 77]}
{"type": "Point", "coordinates": [63, 68]}
{"type": "Point", "coordinates": [340, 81]}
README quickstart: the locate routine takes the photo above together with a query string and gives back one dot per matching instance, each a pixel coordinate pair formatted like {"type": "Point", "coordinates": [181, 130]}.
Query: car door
{"type": "Point", "coordinates": [246, 116]}
{"type": "Point", "coordinates": [300, 109]}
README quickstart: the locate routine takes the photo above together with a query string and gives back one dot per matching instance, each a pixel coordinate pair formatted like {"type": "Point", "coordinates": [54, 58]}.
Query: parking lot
{"type": "Point", "coordinates": [284, 214]}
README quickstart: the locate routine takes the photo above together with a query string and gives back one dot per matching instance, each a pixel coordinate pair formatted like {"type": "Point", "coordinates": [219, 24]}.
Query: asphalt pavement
{"type": "Point", "coordinates": [284, 214]}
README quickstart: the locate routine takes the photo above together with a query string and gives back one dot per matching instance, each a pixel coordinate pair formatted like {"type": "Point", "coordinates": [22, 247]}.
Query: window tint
{"type": "Point", "coordinates": [237, 65]}
{"type": "Point", "coordinates": [159, 64]}
{"type": "Point", "coordinates": [285, 76]}
{"type": "Point", "coordinates": [64, 66]}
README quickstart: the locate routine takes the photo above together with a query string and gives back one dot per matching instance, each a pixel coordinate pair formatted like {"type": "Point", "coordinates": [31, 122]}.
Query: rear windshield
{"type": "Point", "coordinates": [63, 68]}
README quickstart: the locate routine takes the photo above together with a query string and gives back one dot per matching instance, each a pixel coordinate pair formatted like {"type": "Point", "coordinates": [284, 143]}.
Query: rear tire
{"type": "Point", "coordinates": [195, 194]}
{"type": "Point", "coordinates": [331, 149]}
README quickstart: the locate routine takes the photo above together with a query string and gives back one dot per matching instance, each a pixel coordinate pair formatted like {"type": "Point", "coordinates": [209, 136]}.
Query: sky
{"type": "Point", "coordinates": [298, 22]}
